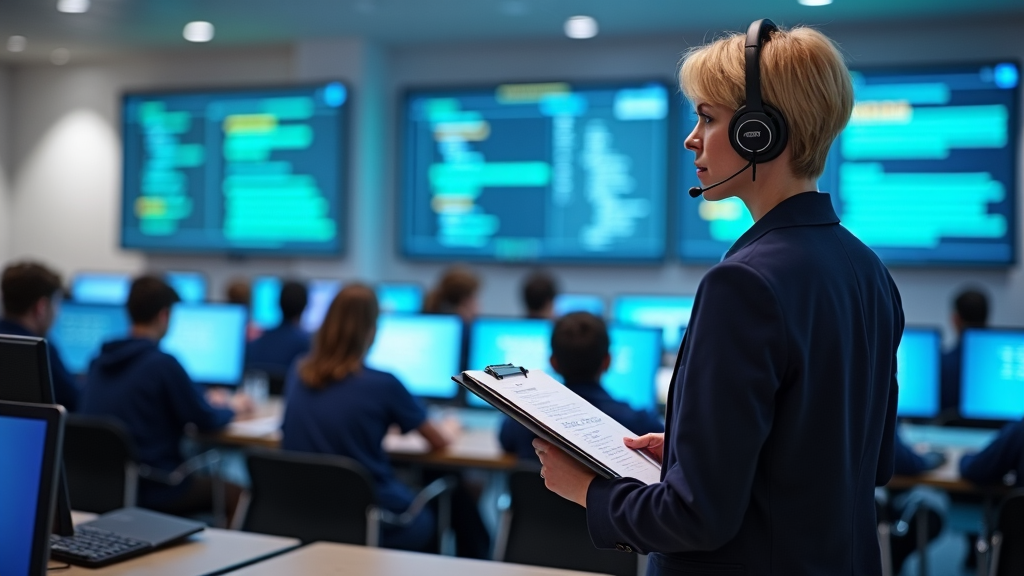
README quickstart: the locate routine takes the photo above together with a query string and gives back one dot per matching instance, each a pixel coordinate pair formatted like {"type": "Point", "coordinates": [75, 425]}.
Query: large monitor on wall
{"type": "Point", "coordinates": [423, 351]}
{"type": "Point", "coordinates": [925, 173]}
{"type": "Point", "coordinates": [536, 172]}
{"type": "Point", "coordinates": [235, 171]}
{"type": "Point", "coordinates": [992, 375]}
{"type": "Point", "coordinates": [917, 372]}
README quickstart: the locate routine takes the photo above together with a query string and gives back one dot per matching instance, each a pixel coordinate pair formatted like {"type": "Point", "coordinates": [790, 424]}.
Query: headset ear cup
{"type": "Point", "coordinates": [740, 113]}
{"type": "Point", "coordinates": [781, 134]}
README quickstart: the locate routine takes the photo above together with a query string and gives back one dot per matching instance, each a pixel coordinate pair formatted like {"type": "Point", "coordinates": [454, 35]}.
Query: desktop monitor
{"type": "Point", "coordinates": [925, 173]}
{"type": "Point", "coordinates": [101, 288]}
{"type": "Point", "coordinates": [917, 372]}
{"type": "Point", "coordinates": [30, 457]}
{"type": "Point", "coordinates": [551, 171]}
{"type": "Point", "coordinates": [80, 330]}
{"type": "Point", "coordinates": [636, 357]}
{"type": "Point", "coordinates": [422, 351]}
{"type": "Point", "coordinates": [566, 303]}
{"type": "Point", "coordinates": [670, 313]}
{"type": "Point", "coordinates": [190, 286]}
{"type": "Point", "coordinates": [400, 297]}
{"type": "Point", "coordinates": [992, 374]}
{"type": "Point", "coordinates": [266, 301]}
{"type": "Point", "coordinates": [236, 171]}
{"type": "Point", "coordinates": [321, 294]}
{"type": "Point", "coordinates": [208, 340]}
{"type": "Point", "coordinates": [524, 342]}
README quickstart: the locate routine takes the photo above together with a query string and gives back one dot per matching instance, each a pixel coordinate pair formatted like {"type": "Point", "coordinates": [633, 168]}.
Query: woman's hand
{"type": "Point", "coordinates": [652, 444]}
{"type": "Point", "coordinates": [562, 474]}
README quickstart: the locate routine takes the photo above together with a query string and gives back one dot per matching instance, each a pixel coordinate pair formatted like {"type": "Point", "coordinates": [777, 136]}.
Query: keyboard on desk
{"type": "Point", "coordinates": [95, 547]}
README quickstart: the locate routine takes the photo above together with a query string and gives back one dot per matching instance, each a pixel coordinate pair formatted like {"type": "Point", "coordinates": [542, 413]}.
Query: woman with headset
{"type": "Point", "coordinates": [782, 410]}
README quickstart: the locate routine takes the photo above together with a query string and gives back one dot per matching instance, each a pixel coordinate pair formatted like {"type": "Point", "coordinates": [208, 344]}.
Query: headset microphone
{"type": "Point", "coordinates": [697, 190]}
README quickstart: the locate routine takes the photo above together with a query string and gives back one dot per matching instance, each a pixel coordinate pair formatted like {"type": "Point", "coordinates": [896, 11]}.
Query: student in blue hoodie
{"type": "Point", "coordinates": [579, 353]}
{"type": "Point", "coordinates": [276, 349]}
{"type": "Point", "coordinates": [149, 391]}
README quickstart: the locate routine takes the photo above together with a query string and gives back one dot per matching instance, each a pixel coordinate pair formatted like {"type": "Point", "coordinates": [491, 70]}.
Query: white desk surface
{"type": "Point", "coordinates": [329, 559]}
{"type": "Point", "coordinates": [212, 550]}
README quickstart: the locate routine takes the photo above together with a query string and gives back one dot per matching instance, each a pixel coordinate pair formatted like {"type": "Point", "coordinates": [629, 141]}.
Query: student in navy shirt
{"type": "Point", "coordinates": [31, 299]}
{"type": "Point", "coordinates": [276, 349]}
{"type": "Point", "coordinates": [970, 310]}
{"type": "Point", "coordinates": [579, 352]}
{"type": "Point", "coordinates": [336, 405]}
{"type": "Point", "coordinates": [539, 291]}
{"type": "Point", "coordinates": [1005, 454]}
{"type": "Point", "coordinates": [149, 391]}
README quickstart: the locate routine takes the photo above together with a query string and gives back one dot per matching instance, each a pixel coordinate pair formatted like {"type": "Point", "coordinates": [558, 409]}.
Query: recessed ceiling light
{"type": "Point", "coordinates": [581, 27]}
{"type": "Point", "coordinates": [815, 2]}
{"type": "Point", "coordinates": [60, 56]}
{"type": "Point", "coordinates": [198, 31]}
{"type": "Point", "coordinates": [73, 6]}
{"type": "Point", "coordinates": [17, 43]}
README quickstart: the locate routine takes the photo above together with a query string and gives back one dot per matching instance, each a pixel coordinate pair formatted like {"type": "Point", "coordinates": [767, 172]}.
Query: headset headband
{"type": "Point", "coordinates": [758, 33]}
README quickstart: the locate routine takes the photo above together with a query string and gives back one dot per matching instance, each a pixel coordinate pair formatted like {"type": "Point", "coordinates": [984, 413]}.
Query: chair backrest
{"type": "Point", "coordinates": [101, 464]}
{"type": "Point", "coordinates": [309, 496]}
{"type": "Point", "coordinates": [544, 529]}
{"type": "Point", "coordinates": [1009, 523]}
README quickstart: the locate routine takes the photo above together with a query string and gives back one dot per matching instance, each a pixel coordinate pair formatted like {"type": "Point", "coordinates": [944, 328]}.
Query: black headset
{"type": "Point", "coordinates": [757, 131]}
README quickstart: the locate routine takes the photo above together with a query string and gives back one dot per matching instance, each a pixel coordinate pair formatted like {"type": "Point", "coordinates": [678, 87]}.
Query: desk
{"type": "Point", "coordinates": [327, 559]}
{"type": "Point", "coordinates": [475, 447]}
{"type": "Point", "coordinates": [211, 551]}
{"type": "Point", "coordinates": [954, 443]}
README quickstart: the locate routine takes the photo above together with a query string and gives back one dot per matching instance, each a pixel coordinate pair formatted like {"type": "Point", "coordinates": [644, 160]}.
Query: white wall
{"type": "Point", "coordinates": [66, 177]}
{"type": "Point", "coordinates": [5, 161]}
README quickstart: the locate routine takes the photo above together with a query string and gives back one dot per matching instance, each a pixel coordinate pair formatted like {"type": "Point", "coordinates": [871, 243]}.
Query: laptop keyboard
{"type": "Point", "coordinates": [93, 547]}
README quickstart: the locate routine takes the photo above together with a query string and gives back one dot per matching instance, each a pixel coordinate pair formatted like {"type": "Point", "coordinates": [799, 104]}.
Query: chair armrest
{"type": "Point", "coordinates": [428, 493]}
{"type": "Point", "coordinates": [207, 460]}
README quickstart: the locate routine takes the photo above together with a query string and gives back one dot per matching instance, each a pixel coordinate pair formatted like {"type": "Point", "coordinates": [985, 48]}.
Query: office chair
{"type": "Point", "coordinates": [324, 497]}
{"type": "Point", "coordinates": [103, 469]}
{"type": "Point", "coordinates": [540, 528]}
{"type": "Point", "coordinates": [1003, 551]}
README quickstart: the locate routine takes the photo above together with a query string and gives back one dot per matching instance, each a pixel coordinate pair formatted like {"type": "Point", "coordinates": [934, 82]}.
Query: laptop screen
{"type": "Point", "coordinates": [423, 351]}
{"type": "Point", "coordinates": [992, 375]}
{"type": "Point", "coordinates": [917, 371]}
{"type": "Point", "coordinates": [80, 330]}
{"type": "Point", "coordinates": [208, 340]}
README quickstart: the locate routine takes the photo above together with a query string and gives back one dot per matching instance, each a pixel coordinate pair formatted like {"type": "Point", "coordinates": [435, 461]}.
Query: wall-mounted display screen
{"type": "Point", "coordinates": [536, 172]}
{"type": "Point", "coordinates": [235, 171]}
{"type": "Point", "coordinates": [925, 173]}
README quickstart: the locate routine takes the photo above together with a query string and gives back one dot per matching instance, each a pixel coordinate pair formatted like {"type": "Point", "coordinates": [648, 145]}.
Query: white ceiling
{"type": "Point", "coordinates": [143, 24]}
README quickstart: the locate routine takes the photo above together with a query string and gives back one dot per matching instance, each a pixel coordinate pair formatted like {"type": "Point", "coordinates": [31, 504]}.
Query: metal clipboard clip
{"type": "Point", "coordinates": [499, 371]}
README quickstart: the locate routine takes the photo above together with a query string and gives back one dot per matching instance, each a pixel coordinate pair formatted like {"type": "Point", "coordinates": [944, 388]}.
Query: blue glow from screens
{"type": "Point", "coordinates": [208, 340]}
{"type": "Point", "coordinates": [235, 171]}
{"type": "Point", "coordinates": [190, 286]}
{"type": "Point", "coordinates": [636, 356]}
{"type": "Point", "coordinates": [22, 443]}
{"type": "Point", "coordinates": [80, 330]}
{"type": "Point", "coordinates": [321, 294]}
{"type": "Point", "coordinates": [101, 288]}
{"type": "Point", "coordinates": [566, 303]}
{"type": "Point", "coordinates": [670, 313]}
{"type": "Point", "coordinates": [917, 365]}
{"type": "Point", "coordinates": [925, 172]}
{"type": "Point", "coordinates": [423, 352]}
{"type": "Point", "coordinates": [992, 375]}
{"type": "Point", "coordinates": [266, 302]}
{"type": "Point", "coordinates": [536, 172]}
{"type": "Point", "coordinates": [399, 297]}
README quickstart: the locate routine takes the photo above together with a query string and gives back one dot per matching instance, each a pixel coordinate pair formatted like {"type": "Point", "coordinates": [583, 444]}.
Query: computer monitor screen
{"type": "Point", "coordinates": [925, 173]}
{"type": "Point", "coordinates": [636, 357]}
{"type": "Point", "coordinates": [235, 171]}
{"type": "Point", "coordinates": [321, 294]}
{"type": "Point", "coordinates": [521, 341]}
{"type": "Point", "coordinates": [992, 375]}
{"type": "Point", "coordinates": [423, 351]}
{"type": "Point", "coordinates": [400, 297]}
{"type": "Point", "coordinates": [917, 372]}
{"type": "Point", "coordinates": [101, 288]}
{"type": "Point", "coordinates": [566, 303]}
{"type": "Point", "coordinates": [536, 172]}
{"type": "Point", "coordinates": [208, 340]}
{"type": "Point", "coordinates": [670, 313]}
{"type": "Point", "coordinates": [190, 286]}
{"type": "Point", "coordinates": [266, 301]}
{"type": "Point", "coordinates": [80, 330]}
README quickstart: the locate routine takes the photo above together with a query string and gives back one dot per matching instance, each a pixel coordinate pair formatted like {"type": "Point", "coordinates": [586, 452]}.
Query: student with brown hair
{"type": "Point", "coordinates": [455, 293]}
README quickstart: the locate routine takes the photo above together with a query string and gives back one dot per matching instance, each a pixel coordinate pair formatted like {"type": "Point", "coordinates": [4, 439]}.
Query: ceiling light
{"type": "Point", "coordinates": [60, 56]}
{"type": "Point", "coordinates": [581, 27]}
{"type": "Point", "coordinates": [73, 6]}
{"type": "Point", "coordinates": [198, 31]}
{"type": "Point", "coordinates": [815, 2]}
{"type": "Point", "coordinates": [17, 43]}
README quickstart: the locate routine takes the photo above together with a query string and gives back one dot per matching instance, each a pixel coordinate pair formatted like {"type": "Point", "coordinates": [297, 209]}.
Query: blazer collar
{"type": "Point", "coordinates": [804, 209]}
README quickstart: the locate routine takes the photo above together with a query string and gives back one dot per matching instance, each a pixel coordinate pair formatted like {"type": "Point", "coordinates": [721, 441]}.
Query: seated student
{"type": "Point", "coordinates": [276, 349]}
{"type": "Point", "coordinates": [539, 291]}
{"type": "Point", "coordinates": [149, 391]}
{"type": "Point", "coordinates": [31, 300]}
{"type": "Point", "coordinates": [336, 405]}
{"type": "Point", "coordinates": [579, 352]}
{"type": "Point", "coordinates": [970, 310]}
{"type": "Point", "coordinates": [1005, 454]}
{"type": "Point", "coordinates": [239, 291]}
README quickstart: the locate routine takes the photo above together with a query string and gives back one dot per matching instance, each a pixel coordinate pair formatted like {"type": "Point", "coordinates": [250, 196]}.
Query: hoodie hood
{"type": "Point", "coordinates": [116, 354]}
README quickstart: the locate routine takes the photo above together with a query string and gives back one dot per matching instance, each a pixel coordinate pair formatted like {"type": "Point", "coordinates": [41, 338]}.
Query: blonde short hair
{"type": "Point", "coordinates": [803, 75]}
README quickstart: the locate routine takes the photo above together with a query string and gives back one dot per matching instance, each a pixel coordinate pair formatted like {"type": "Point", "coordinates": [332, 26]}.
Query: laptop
{"type": "Point", "coordinates": [119, 535]}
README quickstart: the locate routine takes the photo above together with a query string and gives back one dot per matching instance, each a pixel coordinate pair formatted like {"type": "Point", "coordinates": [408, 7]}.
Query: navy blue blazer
{"type": "Point", "coordinates": [65, 390]}
{"type": "Point", "coordinates": [781, 415]}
